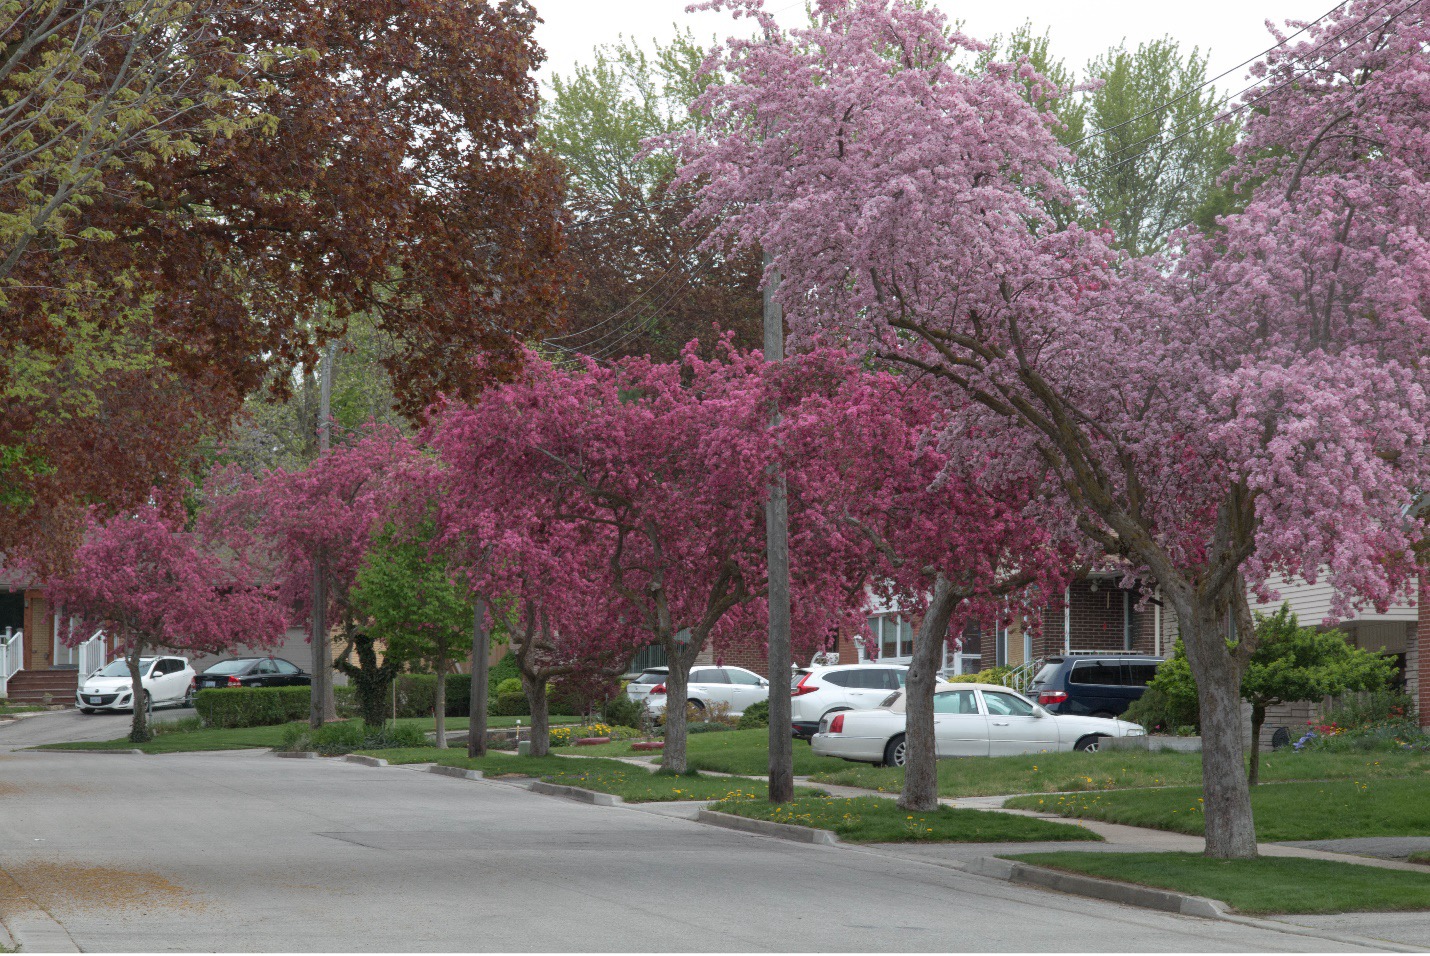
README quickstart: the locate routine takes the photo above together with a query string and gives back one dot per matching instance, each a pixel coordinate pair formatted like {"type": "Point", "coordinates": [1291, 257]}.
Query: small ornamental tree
{"type": "Point", "coordinates": [1291, 664]}
{"type": "Point", "coordinates": [414, 607]}
{"type": "Point", "coordinates": [1253, 403]}
{"type": "Point", "coordinates": [153, 586]}
{"type": "Point", "coordinates": [317, 521]}
{"type": "Point", "coordinates": [941, 545]}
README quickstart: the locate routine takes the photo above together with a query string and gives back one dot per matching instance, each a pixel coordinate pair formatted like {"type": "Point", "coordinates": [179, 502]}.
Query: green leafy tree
{"type": "Point", "coordinates": [416, 610]}
{"type": "Point", "coordinates": [1291, 663]}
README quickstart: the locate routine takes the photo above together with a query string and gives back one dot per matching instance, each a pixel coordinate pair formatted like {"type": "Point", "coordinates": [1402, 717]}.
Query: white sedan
{"type": "Point", "coordinates": [166, 680]}
{"type": "Point", "coordinates": [970, 720]}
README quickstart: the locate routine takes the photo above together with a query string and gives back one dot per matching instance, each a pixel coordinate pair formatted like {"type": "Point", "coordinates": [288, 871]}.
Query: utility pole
{"type": "Point", "coordinates": [481, 654]}
{"type": "Point", "coordinates": [777, 559]}
{"type": "Point", "coordinates": [323, 707]}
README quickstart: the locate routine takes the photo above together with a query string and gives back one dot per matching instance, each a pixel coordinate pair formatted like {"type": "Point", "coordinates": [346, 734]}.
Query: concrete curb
{"type": "Point", "coordinates": [782, 831]}
{"type": "Point", "coordinates": [457, 772]}
{"type": "Point", "coordinates": [1145, 897]}
{"type": "Point", "coordinates": [29, 928]}
{"type": "Point", "coordinates": [576, 793]}
{"type": "Point", "coordinates": [296, 754]}
{"type": "Point", "coordinates": [365, 760]}
{"type": "Point", "coordinates": [65, 750]}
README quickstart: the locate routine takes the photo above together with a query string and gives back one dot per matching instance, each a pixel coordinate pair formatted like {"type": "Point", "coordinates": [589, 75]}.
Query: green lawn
{"type": "Point", "coordinates": [1284, 811]}
{"type": "Point", "coordinates": [19, 708]}
{"type": "Point", "coordinates": [1423, 858]}
{"type": "Point", "coordinates": [631, 783]}
{"type": "Point", "coordinates": [1115, 770]}
{"type": "Point", "coordinates": [244, 738]}
{"type": "Point", "coordinates": [880, 820]}
{"type": "Point", "coordinates": [1264, 885]}
{"type": "Point", "coordinates": [733, 751]}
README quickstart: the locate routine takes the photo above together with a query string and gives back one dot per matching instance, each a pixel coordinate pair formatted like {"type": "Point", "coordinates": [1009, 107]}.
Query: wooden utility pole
{"type": "Point", "coordinates": [323, 707]}
{"type": "Point", "coordinates": [777, 558]}
{"type": "Point", "coordinates": [481, 655]}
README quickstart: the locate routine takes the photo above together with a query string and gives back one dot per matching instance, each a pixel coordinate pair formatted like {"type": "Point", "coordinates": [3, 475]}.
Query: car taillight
{"type": "Point", "coordinates": [836, 726]}
{"type": "Point", "coordinates": [803, 687]}
{"type": "Point", "coordinates": [234, 681]}
{"type": "Point", "coordinates": [657, 689]}
{"type": "Point", "coordinates": [1052, 697]}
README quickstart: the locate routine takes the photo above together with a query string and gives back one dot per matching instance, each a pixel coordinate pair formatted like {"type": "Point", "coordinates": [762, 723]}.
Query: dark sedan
{"type": "Point", "coordinates": [253, 672]}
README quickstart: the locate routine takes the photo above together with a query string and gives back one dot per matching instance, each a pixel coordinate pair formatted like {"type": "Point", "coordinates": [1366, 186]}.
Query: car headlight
{"type": "Point", "coordinates": [1135, 731]}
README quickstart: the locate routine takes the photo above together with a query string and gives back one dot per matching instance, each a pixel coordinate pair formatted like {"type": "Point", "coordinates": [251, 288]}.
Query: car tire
{"type": "Point", "coordinates": [1090, 744]}
{"type": "Point", "coordinates": [188, 699]}
{"type": "Point", "coordinates": [895, 751]}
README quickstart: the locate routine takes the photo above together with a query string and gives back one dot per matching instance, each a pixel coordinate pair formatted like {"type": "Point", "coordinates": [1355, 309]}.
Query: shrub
{"type": "Point", "coordinates": [503, 670]}
{"type": "Point", "coordinates": [417, 695]}
{"type": "Point", "coordinates": [582, 692]}
{"type": "Point", "coordinates": [755, 716]}
{"type": "Point", "coordinates": [622, 710]}
{"type": "Point", "coordinates": [512, 685]}
{"type": "Point", "coordinates": [1161, 713]}
{"type": "Point", "coordinates": [252, 706]}
{"type": "Point", "coordinates": [1382, 709]}
{"type": "Point", "coordinates": [992, 675]}
{"type": "Point", "coordinates": [706, 727]}
{"type": "Point", "coordinates": [511, 704]}
{"type": "Point", "coordinates": [346, 737]}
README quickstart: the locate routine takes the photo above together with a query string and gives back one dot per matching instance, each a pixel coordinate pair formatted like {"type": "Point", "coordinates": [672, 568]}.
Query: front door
{"type": "Point", "coordinates": [1014, 727]}
{"type": "Point", "coordinates": [959, 729]}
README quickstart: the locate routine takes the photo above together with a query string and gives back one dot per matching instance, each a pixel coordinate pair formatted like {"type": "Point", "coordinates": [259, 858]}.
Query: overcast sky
{"type": "Point", "coordinates": [1232, 30]}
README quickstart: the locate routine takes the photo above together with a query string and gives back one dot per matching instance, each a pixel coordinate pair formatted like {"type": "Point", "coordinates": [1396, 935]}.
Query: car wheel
{"type": "Point", "coordinates": [188, 700]}
{"type": "Point", "coordinates": [87, 710]}
{"type": "Point", "coordinates": [1090, 744]}
{"type": "Point", "coordinates": [694, 711]}
{"type": "Point", "coordinates": [896, 751]}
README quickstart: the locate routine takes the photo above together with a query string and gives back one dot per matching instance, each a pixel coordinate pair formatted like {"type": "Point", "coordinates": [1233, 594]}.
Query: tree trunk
{"type": "Point", "coordinates": [322, 649]}
{"type": "Point", "coordinates": [921, 766]}
{"type": "Point", "coordinates": [481, 654]}
{"type": "Point", "coordinates": [540, 719]}
{"type": "Point", "coordinates": [439, 707]}
{"type": "Point", "coordinates": [1230, 829]}
{"type": "Point", "coordinates": [1258, 717]}
{"type": "Point", "coordinates": [139, 727]}
{"type": "Point", "coordinates": [677, 689]}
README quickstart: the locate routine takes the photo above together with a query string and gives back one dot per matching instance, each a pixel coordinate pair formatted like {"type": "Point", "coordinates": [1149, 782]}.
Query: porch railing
{"type": "Point", "coordinates": [92, 655]}
{"type": "Point", "coordinates": [12, 657]}
{"type": "Point", "coordinates": [1021, 677]}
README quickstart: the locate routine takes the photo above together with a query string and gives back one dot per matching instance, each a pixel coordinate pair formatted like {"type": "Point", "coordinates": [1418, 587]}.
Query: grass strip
{"type": "Point", "coordinates": [881, 820]}
{"type": "Point", "coordinates": [1327, 810]}
{"type": "Point", "coordinates": [1421, 858]}
{"type": "Point", "coordinates": [631, 783]}
{"type": "Point", "coordinates": [1261, 886]}
{"type": "Point", "coordinates": [744, 752]}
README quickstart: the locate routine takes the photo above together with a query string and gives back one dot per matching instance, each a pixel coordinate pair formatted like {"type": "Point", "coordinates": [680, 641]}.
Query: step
{"type": "Point", "coordinates": [31, 687]}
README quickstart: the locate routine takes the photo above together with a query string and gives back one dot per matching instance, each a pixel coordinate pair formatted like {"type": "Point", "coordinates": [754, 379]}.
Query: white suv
{"type": "Point", "coordinates": [818, 691]}
{"type": "Point", "coordinates": [734, 687]}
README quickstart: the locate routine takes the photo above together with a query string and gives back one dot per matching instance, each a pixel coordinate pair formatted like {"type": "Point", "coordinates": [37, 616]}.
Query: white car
{"type": "Point", "coordinates": [817, 692]}
{"type": "Point", "coordinates": [970, 720]}
{"type": "Point", "coordinates": [166, 681]}
{"type": "Point", "coordinates": [734, 687]}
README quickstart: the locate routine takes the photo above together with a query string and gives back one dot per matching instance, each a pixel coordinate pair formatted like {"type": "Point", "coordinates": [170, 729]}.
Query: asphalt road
{"type": "Point", "coordinates": [246, 851]}
{"type": "Point", "coordinates": [58, 726]}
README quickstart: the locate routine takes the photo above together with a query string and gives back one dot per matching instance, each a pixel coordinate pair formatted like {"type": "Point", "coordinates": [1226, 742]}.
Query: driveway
{"type": "Point", "coordinates": [246, 851]}
{"type": "Point", "coordinates": [57, 726]}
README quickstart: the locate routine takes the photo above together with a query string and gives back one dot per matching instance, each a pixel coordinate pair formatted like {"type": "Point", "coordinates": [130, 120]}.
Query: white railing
{"type": "Point", "coordinates": [92, 655]}
{"type": "Point", "coordinates": [1021, 677]}
{"type": "Point", "coordinates": [12, 657]}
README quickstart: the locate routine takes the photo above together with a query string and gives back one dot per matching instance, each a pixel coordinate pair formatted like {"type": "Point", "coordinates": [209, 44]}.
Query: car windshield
{"type": "Point", "coordinates": [649, 677]}
{"type": "Point", "coordinates": [1046, 674]}
{"type": "Point", "coordinates": [228, 667]}
{"type": "Point", "coordinates": [120, 668]}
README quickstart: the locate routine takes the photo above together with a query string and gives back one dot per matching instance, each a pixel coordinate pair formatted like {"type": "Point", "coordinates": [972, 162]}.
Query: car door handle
{"type": "Point", "coordinates": [1000, 723]}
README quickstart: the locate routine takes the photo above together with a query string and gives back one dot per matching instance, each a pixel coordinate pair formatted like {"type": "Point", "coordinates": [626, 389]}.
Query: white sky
{"type": "Point", "coordinates": [1232, 30]}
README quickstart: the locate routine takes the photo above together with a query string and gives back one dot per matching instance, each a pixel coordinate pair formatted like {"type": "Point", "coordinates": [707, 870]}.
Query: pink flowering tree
{"type": "Point", "coordinates": [1253, 404]}
{"type": "Point", "coordinates": [912, 500]}
{"type": "Point", "coordinates": [153, 586]}
{"type": "Point", "coordinates": [315, 528]}
{"type": "Point", "coordinates": [647, 481]}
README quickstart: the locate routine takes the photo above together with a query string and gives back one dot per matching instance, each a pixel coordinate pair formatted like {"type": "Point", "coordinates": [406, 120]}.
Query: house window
{"type": "Point", "coordinates": [893, 635]}
{"type": "Point", "coordinates": [652, 655]}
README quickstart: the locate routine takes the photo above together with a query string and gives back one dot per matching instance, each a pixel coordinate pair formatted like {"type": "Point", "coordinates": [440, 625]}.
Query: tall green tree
{"type": "Point", "coordinates": [416, 609]}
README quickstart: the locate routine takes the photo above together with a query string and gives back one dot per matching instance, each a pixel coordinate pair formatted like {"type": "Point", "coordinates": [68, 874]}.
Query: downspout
{"type": "Point", "coordinates": [1157, 623]}
{"type": "Point", "coordinates": [1127, 621]}
{"type": "Point", "coordinates": [1067, 619]}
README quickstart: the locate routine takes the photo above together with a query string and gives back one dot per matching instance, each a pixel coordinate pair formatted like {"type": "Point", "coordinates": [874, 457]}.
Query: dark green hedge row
{"type": "Point", "coordinates": [251, 706]}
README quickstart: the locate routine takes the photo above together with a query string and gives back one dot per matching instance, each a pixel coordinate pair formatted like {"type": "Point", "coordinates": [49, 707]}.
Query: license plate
{"type": "Point", "coordinates": [94, 700]}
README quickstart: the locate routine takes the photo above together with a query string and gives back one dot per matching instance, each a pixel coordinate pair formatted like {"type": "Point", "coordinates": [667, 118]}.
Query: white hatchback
{"type": "Point", "coordinates": [166, 681]}
{"type": "Point", "coordinates": [970, 720]}
{"type": "Point", "coordinates": [818, 691]}
{"type": "Point", "coordinates": [734, 687]}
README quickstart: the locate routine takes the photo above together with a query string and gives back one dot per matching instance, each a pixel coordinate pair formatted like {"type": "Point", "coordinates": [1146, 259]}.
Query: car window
{"type": "Point", "coordinates": [1098, 673]}
{"type": "Point", "coordinates": [1140, 673]}
{"type": "Point", "coordinates": [228, 667]}
{"type": "Point", "coordinates": [266, 667]}
{"type": "Point", "coordinates": [1047, 673]}
{"type": "Point", "coordinates": [286, 668]}
{"type": "Point", "coordinates": [891, 700]}
{"type": "Point", "coordinates": [891, 679]}
{"type": "Point", "coordinates": [798, 676]}
{"type": "Point", "coordinates": [650, 677]}
{"type": "Point", "coordinates": [709, 675]}
{"type": "Point", "coordinates": [842, 678]}
{"type": "Point", "coordinates": [900, 677]}
{"type": "Point", "coordinates": [955, 702]}
{"type": "Point", "coordinates": [1006, 705]}
{"type": "Point", "coordinates": [738, 676]}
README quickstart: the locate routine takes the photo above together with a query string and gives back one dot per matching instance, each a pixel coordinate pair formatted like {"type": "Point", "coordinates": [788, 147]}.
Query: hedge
{"type": "Point", "coordinates": [251, 706]}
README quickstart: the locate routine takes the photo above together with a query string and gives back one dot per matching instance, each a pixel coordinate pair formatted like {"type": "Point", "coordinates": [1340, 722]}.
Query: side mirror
{"type": "Point", "coordinates": [764, 683]}
{"type": "Point", "coordinates": [1038, 711]}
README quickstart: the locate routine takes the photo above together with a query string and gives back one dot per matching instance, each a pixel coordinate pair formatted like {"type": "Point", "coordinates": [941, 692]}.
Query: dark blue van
{"type": "Point", "coordinates": [1092, 685]}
